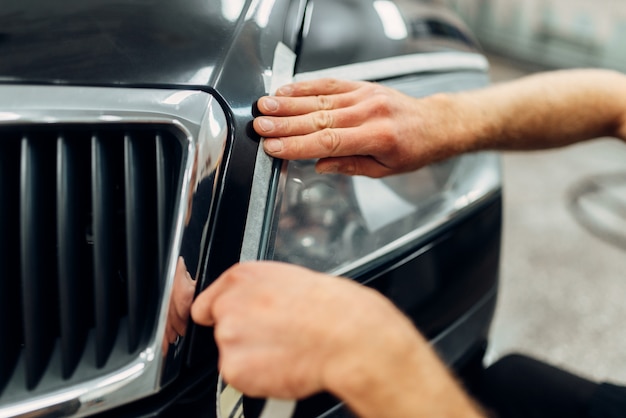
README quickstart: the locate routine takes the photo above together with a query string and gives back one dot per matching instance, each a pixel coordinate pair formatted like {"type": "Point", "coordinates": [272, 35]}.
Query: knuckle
{"type": "Point", "coordinates": [329, 141]}
{"type": "Point", "coordinates": [230, 278]}
{"type": "Point", "coordinates": [382, 104]}
{"type": "Point", "coordinates": [324, 102]}
{"type": "Point", "coordinates": [329, 84]}
{"type": "Point", "coordinates": [322, 120]}
{"type": "Point", "coordinates": [332, 82]}
{"type": "Point", "coordinates": [225, 332]}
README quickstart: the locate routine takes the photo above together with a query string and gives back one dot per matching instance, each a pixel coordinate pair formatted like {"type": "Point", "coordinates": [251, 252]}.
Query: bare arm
{"type": "Point", "coordinates": [552, 109]}
{"type": "Point", "coordinates": [288, 332]}
{"type": "Point", "coordinates": [365, 128]}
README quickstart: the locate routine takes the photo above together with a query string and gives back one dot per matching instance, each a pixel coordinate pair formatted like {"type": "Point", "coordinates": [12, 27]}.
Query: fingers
{"type": "Point", "coordinates": [324, 86]}
{"type": "Point", "coordinates": [203, 307]}
{"type": "Point", "coordinates": [368, 139]}
{"type": "Point", "coordinates": [305, 124]}
{"type": "Point", "coordinates": [305, 98]}
{"type": "Point", "coordinates": [204, 310]}
{"type": "Point", "coordinates": [325, 143]}
{"type": "Point", "coordinates": [293, 106]}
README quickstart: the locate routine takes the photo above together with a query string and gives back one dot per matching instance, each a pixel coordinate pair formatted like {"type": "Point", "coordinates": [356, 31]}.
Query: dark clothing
{"type": "Point", "coordinates": [518, 386]}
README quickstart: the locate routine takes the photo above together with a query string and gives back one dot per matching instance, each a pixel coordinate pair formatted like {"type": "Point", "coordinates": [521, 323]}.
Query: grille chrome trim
{"type": "Point", "coordinates": [201, 125]}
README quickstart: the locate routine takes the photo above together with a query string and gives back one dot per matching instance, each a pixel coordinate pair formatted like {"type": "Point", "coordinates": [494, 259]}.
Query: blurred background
{"type": "Point", "coordinates": [560, 33]}
{"type": "Point", "coordinates": [563, 288]}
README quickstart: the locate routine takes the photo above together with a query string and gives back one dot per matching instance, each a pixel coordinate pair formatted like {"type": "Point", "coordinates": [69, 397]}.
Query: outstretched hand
{"type": "Point", "coordinates": [356, 127]}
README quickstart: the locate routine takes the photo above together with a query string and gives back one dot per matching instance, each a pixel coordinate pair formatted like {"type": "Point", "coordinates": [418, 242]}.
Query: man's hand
{"type": "Point", "coordinates": [283, 329]}
{"type": "Point", "coordinates": [369, 129]}
{"type": "Point", "coordinates": [357, 127]}
{"type": "Point", "coordinates": [287, 332]}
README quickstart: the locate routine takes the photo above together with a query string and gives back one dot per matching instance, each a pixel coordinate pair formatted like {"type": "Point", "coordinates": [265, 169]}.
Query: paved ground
{"type": "Point", "coordinates": [563, 290]}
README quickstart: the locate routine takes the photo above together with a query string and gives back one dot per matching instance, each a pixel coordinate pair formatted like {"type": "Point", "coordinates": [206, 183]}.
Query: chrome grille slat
{"type": "Point", "coordinates": [162, 196]}
{"type": "Point", "coordinates": [37, 244]}
{"type": "Point", "coordinates": [75, 293]}
{"type": "Point", "coordinates": [107, 300]}
{"type": "Point", "coordinates": [140, 236]}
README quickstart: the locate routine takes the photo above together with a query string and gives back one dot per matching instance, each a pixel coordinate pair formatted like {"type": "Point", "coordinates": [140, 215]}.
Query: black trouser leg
{"type": "Point", "coordinates": [518, 386]}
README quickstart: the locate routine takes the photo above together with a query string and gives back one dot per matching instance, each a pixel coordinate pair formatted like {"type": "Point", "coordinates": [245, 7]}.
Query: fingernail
{"type": "Point", "coordinates": [284, 91]}
{"type": "Point", "coordinates": [273, 145]}
{"type": "Point", "coordinates": [265, 124]}
{"type": "Point", "coordinates": [270, 104]}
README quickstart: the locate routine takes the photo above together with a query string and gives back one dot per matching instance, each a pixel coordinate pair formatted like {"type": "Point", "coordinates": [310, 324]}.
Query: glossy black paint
{"type": "Point", "coordinates": [151, 42]}
{"type": "Point", "coordinates": [143, 42]}
{"type": "Point", "coordinates": [112, 42]}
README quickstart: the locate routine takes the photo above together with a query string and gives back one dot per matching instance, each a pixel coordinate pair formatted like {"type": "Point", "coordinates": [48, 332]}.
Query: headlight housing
{"type": "Point", "coordinates": [337, 224]}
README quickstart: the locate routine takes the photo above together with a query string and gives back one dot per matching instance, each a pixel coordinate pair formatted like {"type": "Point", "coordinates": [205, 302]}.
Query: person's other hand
{"type": "Point", "coordinates": [358, 127]}
{"type": "Point", "coordinates": [287, 332]}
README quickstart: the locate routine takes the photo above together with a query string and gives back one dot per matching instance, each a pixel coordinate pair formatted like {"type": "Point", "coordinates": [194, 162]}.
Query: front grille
{"type": "Point", "coordinates": [86, 213]}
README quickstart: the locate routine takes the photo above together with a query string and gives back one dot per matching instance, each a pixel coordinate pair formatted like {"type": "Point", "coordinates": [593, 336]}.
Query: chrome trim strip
{"type": "Point", "coordinates": [401, 66]}
{"type": "Point", "coordinates": [265, 166]}
{"type": "Point", "coordinates": [203, 124]}
{"type": "Point", "coordinates": [260, 210]}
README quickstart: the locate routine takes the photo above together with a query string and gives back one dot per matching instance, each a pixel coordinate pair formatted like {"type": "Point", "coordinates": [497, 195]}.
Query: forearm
{"type": "Point", "coordinates": [407, 379]}
{"type": "Point", "coordinates": [544, 110]}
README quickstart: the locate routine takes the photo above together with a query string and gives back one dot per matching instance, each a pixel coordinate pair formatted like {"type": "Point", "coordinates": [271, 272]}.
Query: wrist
{"type": "Point", "coordinates": [454, 123]}
{"type": "Point", "coordinates": [371, 378]}
{"type": "Point", "coordinates": [477, 125]}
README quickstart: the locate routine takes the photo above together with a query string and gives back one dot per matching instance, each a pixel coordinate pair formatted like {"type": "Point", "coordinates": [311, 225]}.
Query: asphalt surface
{"type": "Point", "coordinates": [563, 288]}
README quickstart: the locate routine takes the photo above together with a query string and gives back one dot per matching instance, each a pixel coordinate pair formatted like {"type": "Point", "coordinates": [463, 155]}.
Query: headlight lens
{"type": "Point", "coordinates": [335, 223]}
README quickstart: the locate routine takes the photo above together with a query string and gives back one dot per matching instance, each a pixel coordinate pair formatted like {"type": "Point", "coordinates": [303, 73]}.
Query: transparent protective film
{"type": "Point", "coordinates": [230, 402]}
{"type": "Point", "coordinates": [332, 223]}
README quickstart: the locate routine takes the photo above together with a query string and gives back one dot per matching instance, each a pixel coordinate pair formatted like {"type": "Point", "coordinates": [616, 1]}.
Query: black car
{"type": "Point", "coordinates": [127, 160]}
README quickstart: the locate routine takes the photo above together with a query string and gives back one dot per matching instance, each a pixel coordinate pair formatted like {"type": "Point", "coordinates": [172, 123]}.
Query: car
{"type": "Point", "coordinates": [130, 179]}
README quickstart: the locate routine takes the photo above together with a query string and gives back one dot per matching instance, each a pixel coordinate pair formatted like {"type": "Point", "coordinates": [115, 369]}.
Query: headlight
{"type": "Point", "coordinates": [336, 223]}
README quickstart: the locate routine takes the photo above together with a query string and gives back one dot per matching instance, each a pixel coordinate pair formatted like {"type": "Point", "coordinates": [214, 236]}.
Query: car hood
{"type": "Point", "coordinates": [116, 42]}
